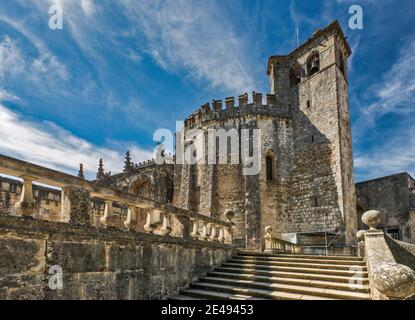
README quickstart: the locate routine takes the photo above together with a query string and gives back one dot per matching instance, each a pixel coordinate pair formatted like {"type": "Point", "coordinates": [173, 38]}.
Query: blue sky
{"type": "Point", "coordinates": [121, 69]}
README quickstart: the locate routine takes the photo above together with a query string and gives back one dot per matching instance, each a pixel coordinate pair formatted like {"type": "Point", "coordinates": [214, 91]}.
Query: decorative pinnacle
{"type": "Point", "coordinates": [81, 171]}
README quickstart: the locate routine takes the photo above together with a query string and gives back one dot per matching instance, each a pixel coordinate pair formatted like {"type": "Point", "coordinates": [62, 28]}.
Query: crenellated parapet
{"type": "Point", "coordinates": [168, 159]}
{"type": "Point", "coordinates": [231, 107]}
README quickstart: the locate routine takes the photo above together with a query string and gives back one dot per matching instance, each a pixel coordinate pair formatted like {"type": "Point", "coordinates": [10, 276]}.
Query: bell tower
{"type": "Point", "coordinates": [313, 81]}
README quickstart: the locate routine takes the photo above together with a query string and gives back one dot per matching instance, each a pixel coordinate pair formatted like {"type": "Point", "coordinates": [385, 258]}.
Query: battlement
{"type": "Point", "coordinates": [168, 159]}
{"type": "Point", "coordinates": [271, 105]}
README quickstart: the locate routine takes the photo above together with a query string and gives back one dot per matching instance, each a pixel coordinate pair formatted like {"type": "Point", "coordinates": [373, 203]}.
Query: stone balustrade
{"type": "Point", "coordinates": [208, 231]}
{"type": "Point", "coordinates": [77, 194]}
{"type": "Point", "coordinates": [275, 245]}
{"type": "Point", "coordinates": [391, 263]}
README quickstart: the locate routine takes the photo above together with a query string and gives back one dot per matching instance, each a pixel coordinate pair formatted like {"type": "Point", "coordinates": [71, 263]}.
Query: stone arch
{"type": "Point", "coordinates": [141, 186]}
{"type": "Point", "coordinates": [313, 63]}
{"type": "Point", "coordinates": [295, 75]}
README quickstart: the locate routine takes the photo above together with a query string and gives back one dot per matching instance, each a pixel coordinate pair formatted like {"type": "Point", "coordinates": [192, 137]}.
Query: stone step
{"type": "Point", "coordinates": [216, 295]}
{"type": "Point", "coordinates": [304, 282]}
{"type": "Point", "coordinates": [299, 264]}
{"type": "Point", "coordinates": [295, 275]}
{"type": "Point", "coordinates": [258, 276]}
{"type": "Point", "coordinates": [302, 260]}
{"type": "Point", "coordinates": [185, 298]}
{"type": "Point", "coordinates": [300, 289]}
{"type": "Point", "coordinates": [297, 269]}
{"type": "Point", "coordinates": [300, 256]}
{"type": "Point", "coordinates": [255, 293]}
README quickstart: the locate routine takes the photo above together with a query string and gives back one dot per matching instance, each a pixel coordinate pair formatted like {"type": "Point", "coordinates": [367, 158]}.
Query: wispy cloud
{"type": "Point", "coordinates": [393, 95]}
{"type": "Point", "coordinates": [49, 145]}
{"type": "Point", "coordinates": [396, 93]}
{"type": "Point", "coordinates": [44, 64]}
{"type": "Point", "coordinates": [7, 96]}
{"type": "Point", "coordinates": [11, 59]}
{"type": "Point", "coordinates": [193, 36]}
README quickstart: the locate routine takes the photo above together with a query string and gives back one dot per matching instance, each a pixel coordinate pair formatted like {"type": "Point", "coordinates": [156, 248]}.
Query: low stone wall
{"type": "Point", "coordinates": [391, 263]}
{"type": "Point", "coordinates": [98, 263]}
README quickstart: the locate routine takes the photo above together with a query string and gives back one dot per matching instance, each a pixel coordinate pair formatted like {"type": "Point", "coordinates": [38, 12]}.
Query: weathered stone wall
{"type": "Point", "coordinates": [393, 196]}
{"type": "Point", "coordinates": [255, 202]}
{"type": "Point", "coordinates": [150, 180]}
{"type": "Point", "coordinates": [305, 128]}
{"type": "Point", "coordinates": [98, 263]}
{"type": "Point", "coordinates": [322, 191]}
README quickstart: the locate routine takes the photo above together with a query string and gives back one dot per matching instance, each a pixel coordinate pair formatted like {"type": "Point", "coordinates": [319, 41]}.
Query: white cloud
{"type": "Point", "coordinates": [11, 59]}
{"type": "Point", "coordinates": [88, 7]}
{"type": "Point", "coordinates": [7, 96]}
{"type": "Point", "coordinates": [396, 93]}
{"type": "Point", "coordinates": [396, 155]}
{"type": "Point", "coordinates": [52, 146]}
{"type": "Point", "coordinates": [41, 73]}
{"type": "Point", "coordinates": [45, 66]}
{"type": "Point", "coordinates": [192, 36]}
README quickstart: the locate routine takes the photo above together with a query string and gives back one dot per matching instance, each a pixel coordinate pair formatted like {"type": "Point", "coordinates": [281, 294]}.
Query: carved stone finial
{"type": "Point", "coordinates": [81, 171]}
{"type": "Point", "coordinates": [100, 173]}
{"type": "Point", "coordinates": [128, 165]}
{"type": "Point", "coordinates": [394, 280]}
{"type": "Point", "coordinates": [372, 219]}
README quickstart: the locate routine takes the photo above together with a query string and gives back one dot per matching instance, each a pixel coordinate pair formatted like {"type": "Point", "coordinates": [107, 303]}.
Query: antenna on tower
{"type": "Point", "coordinates": [297, 31]}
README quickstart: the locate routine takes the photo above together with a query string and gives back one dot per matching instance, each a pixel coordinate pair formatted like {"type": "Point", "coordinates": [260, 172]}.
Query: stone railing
{"type": "Point", "coordinates": [391, 263]}
{"type": "Point", "coordinates": [275, 245]}
{"type": "Point", "coordinates": [77, 194]}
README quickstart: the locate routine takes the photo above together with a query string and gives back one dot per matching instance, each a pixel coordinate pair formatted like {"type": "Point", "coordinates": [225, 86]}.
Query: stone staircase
{"type": "Point", "coordinates": [261, 276]}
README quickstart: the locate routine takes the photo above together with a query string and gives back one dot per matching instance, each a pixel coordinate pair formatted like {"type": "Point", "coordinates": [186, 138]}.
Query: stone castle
{"type": "Point", "coordinates": [176, 229]}
{"type": "Point", "coordinates": [304, 190]}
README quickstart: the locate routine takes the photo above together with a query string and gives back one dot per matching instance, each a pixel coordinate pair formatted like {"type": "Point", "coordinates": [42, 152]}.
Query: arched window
{"type": "Point", "coordinates": [141, 187]}
{"type": "Point", "coordinates": [313, 63]}
{"type": "Point", "coordinates": [270, 167]}
{"type": "Point", "coordinates": [295, 75]}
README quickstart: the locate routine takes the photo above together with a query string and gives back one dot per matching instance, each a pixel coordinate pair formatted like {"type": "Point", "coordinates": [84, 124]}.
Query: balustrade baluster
{"type": "Point", "coordinates": [27, 205]}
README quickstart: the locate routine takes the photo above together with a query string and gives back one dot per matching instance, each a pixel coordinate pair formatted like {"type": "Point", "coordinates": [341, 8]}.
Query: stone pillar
{"type": "Point", "coordinates": [268, 239]}
{"type": "Point", "coordinates": [131, 217]}
{"type": "Point", "coordinates": [361, 243]}
{"type": "Point", "coordinates": [166, 228]}
{"type": "Point", "coordinates": [107, 212]}
{"type": "Point", "coordinates": [27, 205]}
{"type": "Point", "coordinates": [195, 228]}
{"type": "Point", "coordinates": [212, 236]}
{"type": "Point", "coordinates": [221, 236]}
{"type": "Point", "coordinates": [75, 206]}
{"type": "Point", "coordinates": [154, 219]}
{"type": "Point", "coordinates": [204, 233]}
